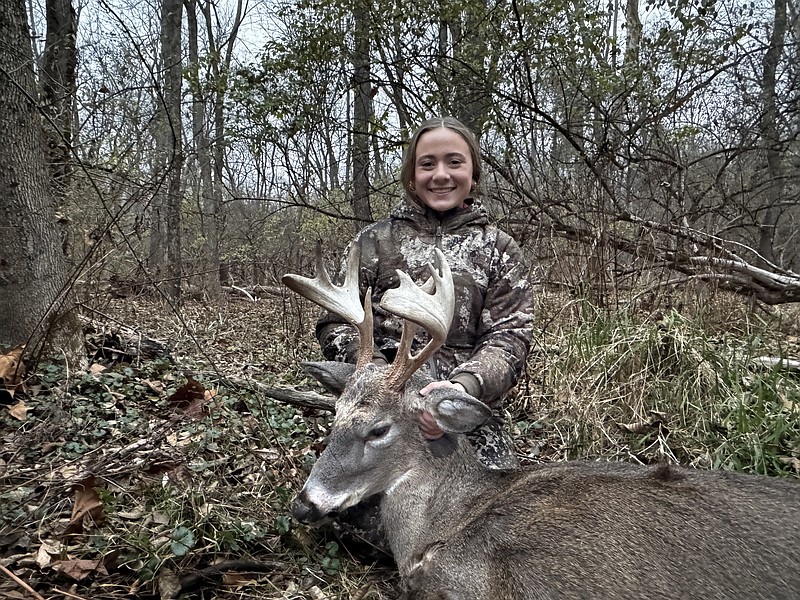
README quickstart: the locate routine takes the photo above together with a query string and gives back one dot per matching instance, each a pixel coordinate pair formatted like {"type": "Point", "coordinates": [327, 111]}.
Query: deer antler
{"type": "Point", "coordinates": [419, 307]}
{"type": "Point", "coordinates": [343, 300]}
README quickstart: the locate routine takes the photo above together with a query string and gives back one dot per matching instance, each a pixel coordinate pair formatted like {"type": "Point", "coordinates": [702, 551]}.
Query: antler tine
{"type": "Point", "coordinates": [418, 307]}
{"type": "Point", "coordinates": [342, 300]}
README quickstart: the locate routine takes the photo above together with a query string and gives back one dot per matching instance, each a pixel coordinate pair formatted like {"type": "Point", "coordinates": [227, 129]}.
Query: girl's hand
{"type": "Point", "coordinates": [442, 384]}
{"type": "Point", "coordinates": [430, 430]}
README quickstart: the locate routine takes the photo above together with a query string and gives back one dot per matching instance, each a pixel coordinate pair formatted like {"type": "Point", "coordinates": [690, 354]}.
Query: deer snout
{"type": "Point", "coordinates": [306, 511]}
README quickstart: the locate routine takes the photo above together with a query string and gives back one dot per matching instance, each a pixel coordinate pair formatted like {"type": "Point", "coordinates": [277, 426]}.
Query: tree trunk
{"type": "Point", "coordinates": [471, 99]}
{"type": "Point", "coordinates": [58, 83]}
{"type": "Point", "coordinates": [202, 146]}
{"type": "Point", "coordinates": [771, 137]}
{"type": "Point", "coordinates": [362, 116]}
{"type": "Point", "coordinates": [166, 231]}
{"type": "Point", "coordinates": [34, 283]}
{"type": "Point", "coordinates": [220, 73]}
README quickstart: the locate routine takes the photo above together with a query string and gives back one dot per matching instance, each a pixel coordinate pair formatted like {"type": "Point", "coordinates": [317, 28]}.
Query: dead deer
{"type": "Point", "coordinates": [569, 530]}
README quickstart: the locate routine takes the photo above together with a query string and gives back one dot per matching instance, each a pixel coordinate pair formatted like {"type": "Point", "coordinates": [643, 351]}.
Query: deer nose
{"type": "Point", "coordinates": [306, 511]}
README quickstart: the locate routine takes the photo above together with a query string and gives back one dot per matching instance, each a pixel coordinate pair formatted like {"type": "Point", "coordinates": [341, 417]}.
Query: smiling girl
{"type": "Point", "coordinates": [490, 336]}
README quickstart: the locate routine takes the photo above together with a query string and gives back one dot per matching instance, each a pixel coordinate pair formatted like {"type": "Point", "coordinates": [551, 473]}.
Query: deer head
{"type": "Point", "coordinates": [375, 441]}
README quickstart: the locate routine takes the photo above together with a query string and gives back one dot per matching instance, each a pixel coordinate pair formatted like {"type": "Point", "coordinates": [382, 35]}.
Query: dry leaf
{"type": "Point", "coordinates": [80, 569]}
{"type": "Point", "coordinates": [87, 505]}
{"type": "Point", "coordinates": [190, 399]}
{"type": "Point", "coordinates": [169, 585]}
{"type": "Point", "coordinates": [19, 411]}
{"type": "Point", "coordinates": [235, 579]}
{"type": "Point", "coordinates": [46, 553]}
{"type": "Point", "coordinates": [156, 386]}
{"type": "Point", "coordinates": [12, 370]}
{"type": "Point", "coordinates": [96, 369]}
{"type": "Point", "coordinates": [638, 428]}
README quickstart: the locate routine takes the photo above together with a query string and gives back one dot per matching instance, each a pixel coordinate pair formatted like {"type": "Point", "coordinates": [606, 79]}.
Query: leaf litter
{"type": "Point", "coordinates": [155, 476]}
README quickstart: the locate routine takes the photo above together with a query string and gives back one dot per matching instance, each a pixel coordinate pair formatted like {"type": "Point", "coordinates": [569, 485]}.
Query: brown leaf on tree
{"type": "Point", "coordinates": [190, 399]}
{"type": "Point", "coordinates": [87, 507]}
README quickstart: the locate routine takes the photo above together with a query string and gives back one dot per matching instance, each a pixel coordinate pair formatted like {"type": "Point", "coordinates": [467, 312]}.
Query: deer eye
{"type": "Point", "coordinates": [377, 432]}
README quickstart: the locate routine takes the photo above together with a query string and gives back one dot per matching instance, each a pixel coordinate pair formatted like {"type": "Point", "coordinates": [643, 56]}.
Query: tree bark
{"type": "Point", "coordinates": [59, 83]}
{"type": "Point", "coordinates": [166, 230]}
{"type": "Point", "coordinates": [34, 284]}
{"type": "Point", "coordinates": [771, 137]}
{"type": "Point", "coordinates": [362, 116]}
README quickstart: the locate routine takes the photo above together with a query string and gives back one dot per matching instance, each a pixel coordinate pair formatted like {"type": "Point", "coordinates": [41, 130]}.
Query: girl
{"type": "Point", "coordinates": [490, 336]}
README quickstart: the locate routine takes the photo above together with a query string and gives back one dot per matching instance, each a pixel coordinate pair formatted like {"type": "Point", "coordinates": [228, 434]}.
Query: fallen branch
{"type": "Point", "coordinates": [785, 364]}
{"type": "Point", "coordinates": [21, 583]}
{"type": "Point", "coordinates": [214, 575]}
{"type": "Point", "coordinates": [291, 396]}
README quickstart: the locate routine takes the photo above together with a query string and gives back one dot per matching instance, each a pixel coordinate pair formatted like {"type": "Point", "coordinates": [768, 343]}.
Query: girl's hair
{"type": "Point", "coordinates": [409, 158]}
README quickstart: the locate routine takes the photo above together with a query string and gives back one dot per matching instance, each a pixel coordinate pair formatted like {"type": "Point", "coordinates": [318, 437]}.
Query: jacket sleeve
{"type": "Point", "coordinates": [505, 328]}
{"type": "Point", "coordinates": [337, 338]}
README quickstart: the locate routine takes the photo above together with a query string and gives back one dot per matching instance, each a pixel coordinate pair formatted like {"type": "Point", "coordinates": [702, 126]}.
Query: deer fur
{"type": "Point", "coordinates": [566, 530]}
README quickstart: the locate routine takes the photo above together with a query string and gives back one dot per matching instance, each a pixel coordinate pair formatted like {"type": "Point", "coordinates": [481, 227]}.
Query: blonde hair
{"type": "Point", "coordinates": [407, 168]}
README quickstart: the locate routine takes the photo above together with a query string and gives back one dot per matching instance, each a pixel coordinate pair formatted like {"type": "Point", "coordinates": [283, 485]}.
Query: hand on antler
{"type": "Point", "coordinates": [442, 384]}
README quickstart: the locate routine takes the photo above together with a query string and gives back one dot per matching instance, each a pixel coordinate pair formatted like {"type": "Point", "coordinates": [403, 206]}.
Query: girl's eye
{"type": "Point", "coordinates": [377, 432]}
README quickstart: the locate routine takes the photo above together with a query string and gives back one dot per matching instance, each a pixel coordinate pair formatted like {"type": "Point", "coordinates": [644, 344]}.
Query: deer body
{"type": "Point", "coordinates": [570, 530]}
{"type": "Point", "coordinates": [562, 531]}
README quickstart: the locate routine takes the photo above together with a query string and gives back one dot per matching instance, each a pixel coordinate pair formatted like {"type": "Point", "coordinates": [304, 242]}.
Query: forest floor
{"type": "Point", "coordinates": [164, 470]}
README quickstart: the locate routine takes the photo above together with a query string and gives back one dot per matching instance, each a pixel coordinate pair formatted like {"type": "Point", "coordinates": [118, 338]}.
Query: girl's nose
{"type": "Point", "coordinates": [440, 172]}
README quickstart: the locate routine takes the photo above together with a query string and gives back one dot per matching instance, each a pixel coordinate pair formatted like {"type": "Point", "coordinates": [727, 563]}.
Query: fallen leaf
{"type": "Point", "coordinates": [638, 428]}
{"type": "Point", "coordinates": [45, 554]}
{"type": "Point", "coordinates": [237, 580]}
{"type": "Point", "coordinates": [96, 368]}
{"type": "Point", "coordinates": [19, 411]}
{"type": "Point", "coordinates": [87, 505]}
{"type": "Point", "coordinates": [169, 585]}
{"type": "Point", "coordinates": [190, 398]}
{"type": "Point", "coordinates": [12, 369]}
{"type": "Point", "coordinates": [80, 569]}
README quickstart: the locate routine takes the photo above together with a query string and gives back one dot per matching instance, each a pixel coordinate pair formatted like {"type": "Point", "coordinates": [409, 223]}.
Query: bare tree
{"type": "Point", "coordinates": [362, 114]}
{"type": "Point", "coordinates": [58, 83]}
{"type": "Point", "coordinates": [35, 289]}
{"type": "Point", "coordinates": [165, 242]}
{"type": "Point", "coordinates": [775, 147]}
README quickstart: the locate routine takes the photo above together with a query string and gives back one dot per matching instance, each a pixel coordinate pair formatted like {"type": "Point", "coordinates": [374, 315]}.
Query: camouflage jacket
{"type": "Point", "coordinates": [490, 336]}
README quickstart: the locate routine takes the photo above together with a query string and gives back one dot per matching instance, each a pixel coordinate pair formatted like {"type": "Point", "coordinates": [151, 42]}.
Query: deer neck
{"type": "Point", "coordinates": [417, 509]}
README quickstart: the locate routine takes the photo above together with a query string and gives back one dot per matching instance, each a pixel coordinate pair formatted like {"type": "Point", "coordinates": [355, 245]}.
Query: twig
{"type": "Point", "coordinates": [21, 583]}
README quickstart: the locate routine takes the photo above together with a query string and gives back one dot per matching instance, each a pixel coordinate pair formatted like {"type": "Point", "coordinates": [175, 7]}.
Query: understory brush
{"type": "Point", "coordinates": [700, 389]}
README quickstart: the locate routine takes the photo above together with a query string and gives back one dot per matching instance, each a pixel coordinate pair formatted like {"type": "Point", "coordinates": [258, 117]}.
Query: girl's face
{"type": "Point", "coordinates": [442, 169]}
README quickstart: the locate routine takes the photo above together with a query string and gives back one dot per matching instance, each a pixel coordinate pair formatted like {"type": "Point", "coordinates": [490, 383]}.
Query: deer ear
{"type": "Point", "coordinates": [332, 375]}
{"type": "Point", "coordinates": [455, 411]}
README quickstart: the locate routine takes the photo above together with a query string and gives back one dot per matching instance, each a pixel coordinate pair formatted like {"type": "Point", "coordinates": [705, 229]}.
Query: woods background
{"type": "Point", "coordinates": [162, 164]}
{"type": "Point", "coordinates": [194, 145]}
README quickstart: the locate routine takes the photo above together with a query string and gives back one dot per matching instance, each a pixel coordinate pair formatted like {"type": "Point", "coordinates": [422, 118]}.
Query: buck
{"type": "Point", "coordinates": [568, 530]}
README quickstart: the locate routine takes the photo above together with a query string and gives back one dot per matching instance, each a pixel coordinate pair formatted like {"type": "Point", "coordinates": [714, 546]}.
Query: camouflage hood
{"type": "Point", "coordinates": [490, 336]}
